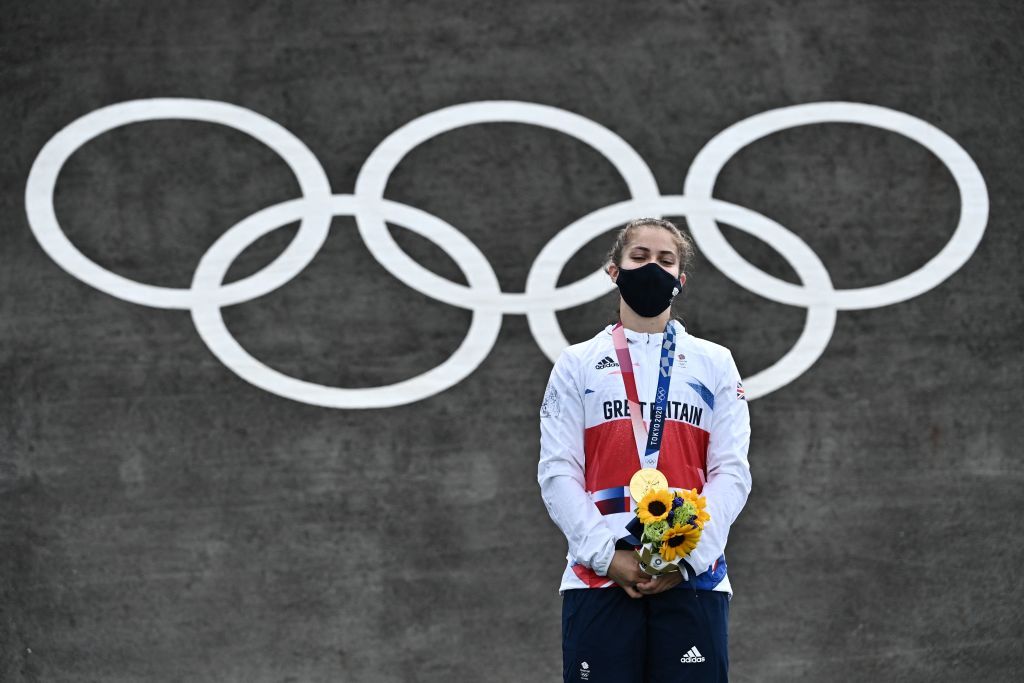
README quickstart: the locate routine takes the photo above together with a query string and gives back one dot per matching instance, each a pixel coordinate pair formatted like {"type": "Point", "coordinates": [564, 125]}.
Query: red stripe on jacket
{"type": "Point", "coordinates": [612, 459]}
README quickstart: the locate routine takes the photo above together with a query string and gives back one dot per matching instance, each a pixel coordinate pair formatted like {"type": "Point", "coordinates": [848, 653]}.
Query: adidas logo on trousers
{"type": "Point", "coordinates": [692, 657]}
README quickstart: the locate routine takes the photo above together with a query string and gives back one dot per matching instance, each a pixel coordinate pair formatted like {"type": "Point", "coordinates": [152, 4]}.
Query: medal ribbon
{"type": "Point", "coordinates": [648, 457]}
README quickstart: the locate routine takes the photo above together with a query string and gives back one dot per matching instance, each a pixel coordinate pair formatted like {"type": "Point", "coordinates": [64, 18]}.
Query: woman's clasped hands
{"type": "Point", "coordinates": [625, 571]}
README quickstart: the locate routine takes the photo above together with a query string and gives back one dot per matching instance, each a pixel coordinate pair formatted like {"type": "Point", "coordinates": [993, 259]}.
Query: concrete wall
{"type": "Point", "coordinates": [162, 518]}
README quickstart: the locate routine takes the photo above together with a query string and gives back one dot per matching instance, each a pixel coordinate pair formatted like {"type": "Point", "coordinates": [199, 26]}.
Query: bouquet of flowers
{"type": "Point", "coordinates": [672, 524]}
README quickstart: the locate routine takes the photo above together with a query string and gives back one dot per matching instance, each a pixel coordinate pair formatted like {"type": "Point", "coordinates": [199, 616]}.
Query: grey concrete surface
{"type": "Point", "coordinates": [163, 520]}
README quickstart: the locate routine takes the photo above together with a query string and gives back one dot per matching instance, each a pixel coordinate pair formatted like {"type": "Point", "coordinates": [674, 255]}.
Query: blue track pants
{"type": "Point", "coordinates": [675, 636]}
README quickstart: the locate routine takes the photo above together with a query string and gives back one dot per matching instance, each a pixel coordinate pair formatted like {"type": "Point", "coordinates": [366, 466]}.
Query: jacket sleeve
{"type": "Point", "coordinates": [560, 470]}
{"type": "Point", "coordinates": [729, 482]}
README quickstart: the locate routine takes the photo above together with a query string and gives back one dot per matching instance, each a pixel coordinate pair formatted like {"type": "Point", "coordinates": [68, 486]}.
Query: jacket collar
{"type": "Point", "coordinates": [648, 337]}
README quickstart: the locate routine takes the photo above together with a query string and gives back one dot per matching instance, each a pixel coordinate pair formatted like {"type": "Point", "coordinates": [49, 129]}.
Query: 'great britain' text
{"type": "Point", "coordinates": [674, 410]}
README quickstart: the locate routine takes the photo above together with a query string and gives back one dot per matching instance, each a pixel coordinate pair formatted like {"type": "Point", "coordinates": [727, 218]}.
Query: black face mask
{"type": "Point", "coordinates": [648, 290]}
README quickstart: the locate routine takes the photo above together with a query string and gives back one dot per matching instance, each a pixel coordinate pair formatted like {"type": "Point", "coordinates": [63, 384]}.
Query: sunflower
{"type": "Point", "coordinates": [678, 541]}
{"type": "Point", "coordinates": [699, 502]}
{"type": "Point", "coordinates": [655, 506]}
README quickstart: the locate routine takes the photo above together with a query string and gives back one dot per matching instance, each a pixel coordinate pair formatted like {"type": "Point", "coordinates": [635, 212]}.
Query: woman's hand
{"type": "Point", "coordinates": [625, 571]}
{"type": "Point", "coordinates": [657, 584]}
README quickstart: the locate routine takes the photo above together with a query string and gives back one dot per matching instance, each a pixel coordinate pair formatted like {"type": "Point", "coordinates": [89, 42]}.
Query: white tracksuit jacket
{"type": "Point", "coordinates": [588, 452]}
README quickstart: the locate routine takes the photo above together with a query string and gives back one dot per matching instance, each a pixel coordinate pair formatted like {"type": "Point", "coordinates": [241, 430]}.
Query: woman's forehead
{"type": "Point", "coordinates": [653, 239]}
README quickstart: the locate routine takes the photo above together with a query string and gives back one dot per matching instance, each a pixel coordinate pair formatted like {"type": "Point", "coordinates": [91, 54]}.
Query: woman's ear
{"type": "Point", "coordinates": [613, 271]}
{"type": "Point", "coordinates": [682, 279]}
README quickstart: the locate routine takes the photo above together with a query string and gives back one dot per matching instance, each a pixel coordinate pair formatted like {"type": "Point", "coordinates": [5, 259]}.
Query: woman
{"type": "Point", "coordinates": [618, 623]}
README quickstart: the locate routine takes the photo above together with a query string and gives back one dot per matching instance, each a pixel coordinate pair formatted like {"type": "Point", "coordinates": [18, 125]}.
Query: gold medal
{"type": "Point", "coordinates": [646, 480]}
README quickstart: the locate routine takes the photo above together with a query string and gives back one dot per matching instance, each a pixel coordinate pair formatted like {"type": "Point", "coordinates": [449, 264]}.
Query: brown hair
{"type": "Point", "coordinates": [684, 246]}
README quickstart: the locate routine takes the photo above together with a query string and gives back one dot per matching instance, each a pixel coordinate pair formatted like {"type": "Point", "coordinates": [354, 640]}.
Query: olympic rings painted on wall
{"type": "Point", "coordinates": [541, 298]}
